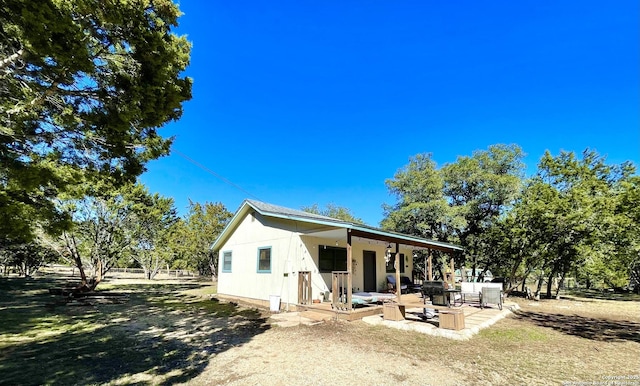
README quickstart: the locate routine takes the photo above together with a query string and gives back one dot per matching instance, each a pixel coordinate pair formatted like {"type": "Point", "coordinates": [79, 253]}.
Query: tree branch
{"type": "Point", "coordinates": [11, 58]}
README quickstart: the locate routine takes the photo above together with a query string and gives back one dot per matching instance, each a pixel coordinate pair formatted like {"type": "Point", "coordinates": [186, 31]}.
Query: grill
{"type": "Point", "coordinates": [435, 291]}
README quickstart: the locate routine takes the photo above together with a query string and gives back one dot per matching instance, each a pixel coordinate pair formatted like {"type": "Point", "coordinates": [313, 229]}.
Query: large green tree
{"type": "Point", "coordinates": [25, 257]}
{"type": "Point", "coordinates": [480, 189]}
{"type": "Point", "coordinates": [191, 239]}
{"type": "Point", "coordinates": [577, 216]}
{"type": "Point", "coordinates": [627, 230]}
{"type": "Point", "coordinates": [458, 202]}
{"type": "Point", "coordinates": [112, 226]}
{"type": "Point", "coordinates": [151, 219]}
{"type": "Point", "coordinates": [98, 237]}
{"type": "Point", "coordinates": [421, 208]}
{"type": "Point", "coordinates": [84, 87]}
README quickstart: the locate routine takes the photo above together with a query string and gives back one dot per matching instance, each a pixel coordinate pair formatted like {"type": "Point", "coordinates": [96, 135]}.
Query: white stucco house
{"type": "Point", "coordinates": [267, 251]}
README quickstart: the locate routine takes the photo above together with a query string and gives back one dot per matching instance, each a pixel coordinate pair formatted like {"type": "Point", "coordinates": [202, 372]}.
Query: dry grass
{"type": "Point", "coordinates": [544, 342]}
{"type": "Point", "coordinates": [171, 331]}
{"type": "Point", "coordinates": [165, 332]}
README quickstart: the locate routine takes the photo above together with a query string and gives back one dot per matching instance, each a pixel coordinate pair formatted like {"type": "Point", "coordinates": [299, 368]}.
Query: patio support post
{"type": "Point", "coordinates": [398, 282]}
{"type": "Point", "coordinates": [349, 270]}
{"type": "Point", "coordinates": [453, 272]}
{"type": "Point", "coordinates": [430, 267]}
{"type": "Point", "coordinates": [424, 270]}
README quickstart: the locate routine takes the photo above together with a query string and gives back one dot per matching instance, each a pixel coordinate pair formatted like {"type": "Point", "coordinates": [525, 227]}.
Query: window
{"type": "Point", "coordinates": [226, 261]}
{"type": "Point", "coordinates": [391, 268]}
{"type": "Point", "coordinates": [332, 259]}
{"type": "Point", "coordinates": [264, 260]}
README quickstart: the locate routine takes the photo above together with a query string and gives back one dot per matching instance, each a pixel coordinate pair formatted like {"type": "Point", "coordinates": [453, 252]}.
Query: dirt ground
{"type": "Point", "coordinates": [547, 342]}
{"type": "Point", "coordinates": [175, 332]}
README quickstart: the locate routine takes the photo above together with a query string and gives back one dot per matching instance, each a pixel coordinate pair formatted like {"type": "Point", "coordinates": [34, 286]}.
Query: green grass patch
{"type": "Point", "coordinates": [513, 335]}
{"type": "Point", "coordinates": [210, 306]}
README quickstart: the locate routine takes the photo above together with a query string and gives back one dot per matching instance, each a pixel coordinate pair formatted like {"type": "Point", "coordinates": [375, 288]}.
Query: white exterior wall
{"type": "Point", "coordinates": [357, 251]}
{"type": "Point", "coordinates": [290, 253]}
{"type": "Point", "coordinates": [244, 279]}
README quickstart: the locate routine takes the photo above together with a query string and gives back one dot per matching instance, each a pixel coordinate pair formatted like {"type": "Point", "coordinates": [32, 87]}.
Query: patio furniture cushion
{"type": "Point", "coordinates": [391, 279]}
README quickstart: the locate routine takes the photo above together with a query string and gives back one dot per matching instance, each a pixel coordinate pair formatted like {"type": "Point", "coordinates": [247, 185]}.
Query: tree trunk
{"type": "Point", "coordinates": [560, 285]}
{"type": "Point", "coordinates": [72, 247]}
{"type": "Point", "coordinates": [99, 273]}
{"type": "Point", "coordinates": [156, 262]}
{"type": "Point", "coordinates": [11, 58]}
{"type": "Point", "coordinates": [539, 286]}
{"type": "Point", "coordinates": [214, 272]}
{"type": "Point", "coordinates": [473, 271]}
{"type": "Point", "coordinates": [550, 283]}
{"type": "Point", "coordinates": [441, 273]}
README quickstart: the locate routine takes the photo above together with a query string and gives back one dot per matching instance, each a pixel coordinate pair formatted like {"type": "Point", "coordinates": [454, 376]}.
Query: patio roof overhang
{"type": "Point", "coordinates": [362, 234]}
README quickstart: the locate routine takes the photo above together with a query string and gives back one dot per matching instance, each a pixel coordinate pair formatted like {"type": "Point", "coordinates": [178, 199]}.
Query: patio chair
{"type": "Point", "coordinates": [411, 286]}
{"type": "Point", "coordinates": [391, 282]}
{"type": "Point", "coordinates": [491, 295]}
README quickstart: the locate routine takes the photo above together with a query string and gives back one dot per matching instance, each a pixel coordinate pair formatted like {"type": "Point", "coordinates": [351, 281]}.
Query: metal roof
{"type": "Point", "coordinates": [359, 230]}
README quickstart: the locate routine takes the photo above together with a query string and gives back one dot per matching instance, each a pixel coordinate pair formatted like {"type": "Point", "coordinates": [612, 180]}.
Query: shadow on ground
{"type": "Point", "coordinates": [602, 295]}
{"type": "Point", "coordinates": [590, 328]}
{"type": "Point", "coordinates": [148, 339]}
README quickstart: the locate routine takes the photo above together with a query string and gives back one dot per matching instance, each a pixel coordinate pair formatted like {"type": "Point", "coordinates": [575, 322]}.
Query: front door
{"type": "Point", "coordinates": [369, 269]}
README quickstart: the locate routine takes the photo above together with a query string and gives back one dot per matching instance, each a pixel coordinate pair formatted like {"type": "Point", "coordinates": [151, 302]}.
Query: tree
{"type": "Point", "coordinates": [627, 230]}
{"type": "Point", "coordinates": [115, 225]}
{"type": "Point", "coordinates": [98, 237]}
{"type": "Point", "coordinates": [460, 201]}
{"type": "Point", "coordinates": [480, 189]}
{"type": "Point", "coordinates": [26, 256]}
{"type": "Point", "coordinates": [614, 249]}
{"type": "Point", "coordinates": [334, 211]}
{"type": "Point", "coordinates": [84, 87]}
{"type": "Point", "coordinates": [571, 218]}
{"type": "Point", "coordinates": [150, 220]}
{"type": "Point", "coordinates": [421, 208]}
{"type": "Point", "coordinates": [193, 237]}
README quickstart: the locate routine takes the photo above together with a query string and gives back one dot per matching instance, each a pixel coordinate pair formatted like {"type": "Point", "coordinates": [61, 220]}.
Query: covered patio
{"type": "Point", "coordinates": [407, 308]}
{"type": "Point", "coordinates": [346, 302]}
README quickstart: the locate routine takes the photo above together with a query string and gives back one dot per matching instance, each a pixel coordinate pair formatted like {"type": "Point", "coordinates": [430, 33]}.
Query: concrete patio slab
{"type": "Point", "coordinates": [475, 319]}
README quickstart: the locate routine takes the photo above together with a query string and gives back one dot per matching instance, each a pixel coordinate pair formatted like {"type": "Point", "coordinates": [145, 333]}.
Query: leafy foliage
{"type": "Point", "coordinates": [24, 256]}
{"type": "Point", "coordinates": [124, 224]}
{"type": "Point", "coordinates": [571, 220]}
{"type": "Point", "coordinates": [192, 238]}
{"type": "Point", "coordinates": [458, 202]}
{"type": "Point", "coordinates": [150, 222]}
{"type": "Point", "coordinates": [334, 211]}
{"type": "Point", "coordinates": [84, 87]}
{"type": "Point", "coordinates": [576, 216]}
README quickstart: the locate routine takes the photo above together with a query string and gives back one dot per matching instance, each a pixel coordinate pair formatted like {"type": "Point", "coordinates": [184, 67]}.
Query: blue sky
{"type": "Point", "coordinates": [305, 102]}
